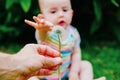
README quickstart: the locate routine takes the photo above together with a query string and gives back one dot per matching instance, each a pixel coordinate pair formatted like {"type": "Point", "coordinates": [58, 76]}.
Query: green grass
{"type": "Point", "coordinates": [105, 59]}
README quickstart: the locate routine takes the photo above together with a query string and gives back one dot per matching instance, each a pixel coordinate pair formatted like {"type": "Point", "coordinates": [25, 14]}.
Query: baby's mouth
{"type": "Point", "coordinates": [61, 23]}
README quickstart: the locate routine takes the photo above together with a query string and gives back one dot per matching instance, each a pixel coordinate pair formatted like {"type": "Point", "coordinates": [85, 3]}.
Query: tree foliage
{"type": "Point", "coordinates": [99, 19]}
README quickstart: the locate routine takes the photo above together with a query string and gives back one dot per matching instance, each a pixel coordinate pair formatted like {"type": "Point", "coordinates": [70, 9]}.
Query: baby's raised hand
{"type": "Point", "coordinates": [40, 23]}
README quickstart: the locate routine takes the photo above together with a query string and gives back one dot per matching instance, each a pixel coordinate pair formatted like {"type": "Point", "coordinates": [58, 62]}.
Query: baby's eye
{"type": "Point", "coordinates": [65, 10]}
{"type": "Point", "coordinates": [52, 12]}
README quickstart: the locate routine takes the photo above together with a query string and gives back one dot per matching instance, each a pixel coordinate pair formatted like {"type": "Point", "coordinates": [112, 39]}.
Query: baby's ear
{"type": "Point", "coordinates": [72, 12]}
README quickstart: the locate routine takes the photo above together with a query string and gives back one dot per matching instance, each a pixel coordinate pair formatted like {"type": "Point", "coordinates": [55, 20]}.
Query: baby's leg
{"type": "Point", "coordinates": [86, 71]}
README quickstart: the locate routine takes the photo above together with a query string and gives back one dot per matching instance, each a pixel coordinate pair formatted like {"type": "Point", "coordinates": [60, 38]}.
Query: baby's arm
{"type": "Point", "coordinates": [41, 26]}
{"type": "Point", "coordinates": [75, 65]}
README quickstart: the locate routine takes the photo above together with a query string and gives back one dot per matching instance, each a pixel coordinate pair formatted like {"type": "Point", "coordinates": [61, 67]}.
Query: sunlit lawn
{"type": "Point", "coordinates": [105, 59]}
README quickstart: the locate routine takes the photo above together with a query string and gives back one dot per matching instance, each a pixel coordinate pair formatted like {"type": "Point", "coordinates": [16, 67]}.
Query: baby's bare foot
{"type": "Point", "coordinates": [101, 78]}
{"type": "Point", "coordinates": [34, 78]}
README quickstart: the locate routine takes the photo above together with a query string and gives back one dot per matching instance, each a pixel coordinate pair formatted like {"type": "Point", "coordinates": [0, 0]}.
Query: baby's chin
{"type": "Point", "coordinates": [64, 26]}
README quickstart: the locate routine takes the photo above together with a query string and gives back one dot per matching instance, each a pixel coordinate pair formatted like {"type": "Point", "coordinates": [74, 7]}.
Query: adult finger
{"type": "Point", "coordinates": [48, 61]}
{"type": "Point", "coordinates": [48, 51]}
{"type": "Point", "coordinates": [51, 68]}
{"type": "Point", "coordinates": [43, 72]}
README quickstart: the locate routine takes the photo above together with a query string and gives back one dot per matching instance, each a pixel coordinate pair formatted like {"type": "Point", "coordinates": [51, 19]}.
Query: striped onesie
{"type": "Point", "coordinates": [67, 46]}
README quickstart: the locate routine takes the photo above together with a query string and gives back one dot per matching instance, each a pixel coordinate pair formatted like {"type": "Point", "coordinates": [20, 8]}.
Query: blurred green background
{"type": "Point", "coordinates": [98, 22]}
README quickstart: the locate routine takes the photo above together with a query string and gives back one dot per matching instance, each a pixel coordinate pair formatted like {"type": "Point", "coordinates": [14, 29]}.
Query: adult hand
{"type": "Point", "coordinates": [32, 60]}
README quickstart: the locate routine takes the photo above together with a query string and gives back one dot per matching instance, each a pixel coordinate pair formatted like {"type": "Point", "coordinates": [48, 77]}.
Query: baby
{"type": "Point", "coordinates": [59, 12]}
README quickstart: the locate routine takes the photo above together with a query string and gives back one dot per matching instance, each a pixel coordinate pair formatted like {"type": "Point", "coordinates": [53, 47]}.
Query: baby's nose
{"type": "Point", "coordinates": [61, 14]}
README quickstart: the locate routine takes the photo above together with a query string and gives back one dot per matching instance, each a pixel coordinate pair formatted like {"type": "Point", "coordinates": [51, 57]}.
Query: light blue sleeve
{"type": "Point", "coordinates": [77, 37]}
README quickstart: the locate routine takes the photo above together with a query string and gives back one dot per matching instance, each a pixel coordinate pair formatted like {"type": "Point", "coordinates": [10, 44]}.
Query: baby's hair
{"type": "Point", "coordinates": [39, 3]}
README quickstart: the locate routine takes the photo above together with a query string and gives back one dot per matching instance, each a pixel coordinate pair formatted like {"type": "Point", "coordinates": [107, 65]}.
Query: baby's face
{"type": "Point", "coordinates": [58, 12]}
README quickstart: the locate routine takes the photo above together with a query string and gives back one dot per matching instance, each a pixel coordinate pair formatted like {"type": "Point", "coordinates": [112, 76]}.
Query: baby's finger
{"type": "Point", "coordinates": [47, 23]}
{"type": "Point", "coordinates": [36, 19]}
{"type": "Point", "coordinates": [33, 24]}
{"type": "Point", "coordinates": [40, 16]}
{"type": "Point", "coordinates": [39, 21]}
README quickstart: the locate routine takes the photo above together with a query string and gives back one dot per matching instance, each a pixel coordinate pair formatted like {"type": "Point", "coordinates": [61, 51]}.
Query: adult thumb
{"type": "Point", "coordinates": [49, 61]}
